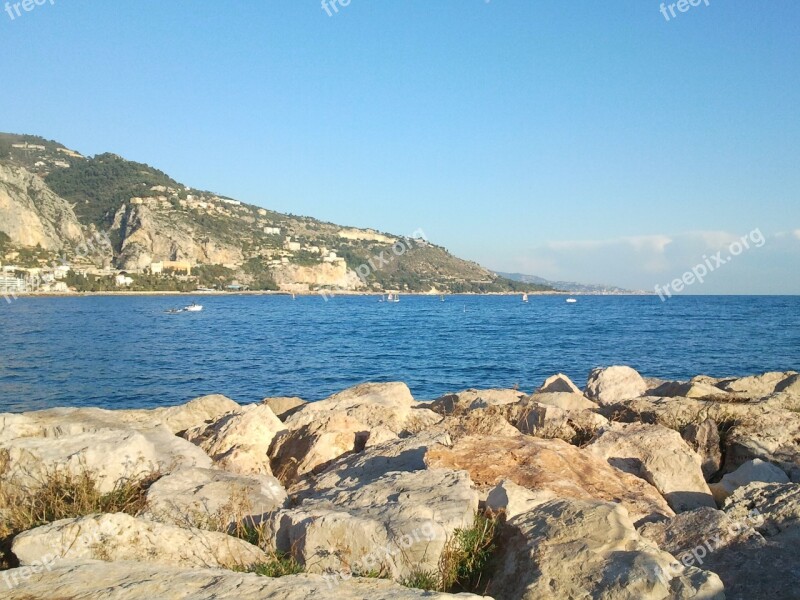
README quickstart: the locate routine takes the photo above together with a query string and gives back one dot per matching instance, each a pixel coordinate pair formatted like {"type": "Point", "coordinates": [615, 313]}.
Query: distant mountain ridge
{"type": "Point", "coordinates": [55, 198]}
{"type": "Point", "coordinates": [567, 286]}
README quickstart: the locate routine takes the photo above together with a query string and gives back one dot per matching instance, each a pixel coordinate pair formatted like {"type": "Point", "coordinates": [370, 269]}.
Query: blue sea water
{"type": "Point", "coordinates": [125, 352]}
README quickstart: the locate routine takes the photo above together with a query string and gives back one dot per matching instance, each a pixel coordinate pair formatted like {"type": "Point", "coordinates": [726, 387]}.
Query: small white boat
{"type": "Point", "coordinates": [194, 307]}
{"type": "Point", "coordinates": [524, 297]}
{"type": "Point", "coordinates": [571, 300]}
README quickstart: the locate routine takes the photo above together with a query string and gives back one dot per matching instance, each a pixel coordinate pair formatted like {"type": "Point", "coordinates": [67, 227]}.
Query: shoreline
{"type": "Point", "coordinates": [315, 293]}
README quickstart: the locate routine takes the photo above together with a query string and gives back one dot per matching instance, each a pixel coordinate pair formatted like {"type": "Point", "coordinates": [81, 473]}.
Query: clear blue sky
{"type": "Point", "coordinates": [582, 140]}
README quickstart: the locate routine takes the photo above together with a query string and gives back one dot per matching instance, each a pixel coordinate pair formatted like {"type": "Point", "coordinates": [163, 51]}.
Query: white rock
{"type": "Point", "coordinates": [771, 508]}
{"type": "Point", "coordinates": [110, 455]}
{"type": "Point", "coordinates": [473, 399]}
{"type": "Point", "coordinates": [311, 447]}
{"type": "Point", "coordinates": [147, 581]}
{"type": "Point", "coordinates": [240, 441]}
{"type": "Point", "coordinates": [613, 384]}
{"type": "Point", "coordinates": [402, 454]}
{"type": "Point", "coordinates": [759, 386]}
{"type": "Point", "coordinates": [514, 499]}
{"type": "Point", "coordinates": [564, 400]}
{"type": "Point", "coordinates": [659, 456]}
{"type": "Point", "coordinates": [790, 385]}
{"type": "Point", "coordinates": [401, 521]}
{"type": "Point", "coordinates": [119, 537]}
{"type": "Point", "coordinates": [213, 498]}
{"type": "Point", "coordinates": [559, 383]}
{"type": "Point", "coordinates": [590, 549]}
{"type": "Point", "coordinates": [284, 406]}
{"type": "Point", "coordinates": [59, 422]}
{"type": "Point", "coordinates": [373, 404]}
{"type": "Point", "coordinates": [752, 471]}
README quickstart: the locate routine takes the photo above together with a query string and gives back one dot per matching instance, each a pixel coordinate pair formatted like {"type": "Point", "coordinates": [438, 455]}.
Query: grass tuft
{"type": "Point", "coordinates": [279, 565]}
{"type": "Point", "coordinates": [59, 494]}
{"type": "Point", "coordinates": [465, 564]}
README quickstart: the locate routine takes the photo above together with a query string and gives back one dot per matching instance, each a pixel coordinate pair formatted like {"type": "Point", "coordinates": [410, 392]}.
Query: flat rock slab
{"type": "Point", "coordinates": [120, 537]}
{"type": "Point", "coordinates": [139, 581]}
{"type": "Point", "coordinates": [661, 457]}
{"type": "Point", "coordinates": [110, 455]}
{"type": "Point", "coordinates": [198, 497]}
{"type": "Point", "coordinates": [553, 465]}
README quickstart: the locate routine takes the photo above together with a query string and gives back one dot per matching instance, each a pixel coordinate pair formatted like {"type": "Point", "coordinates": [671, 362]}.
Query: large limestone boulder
{"type": "Point", "coordinates": [373, 404]}
{"type": "Point", "coordinates": [311, 447]}
{"type": "Point", "coordinates": [116, 537]}
{"type": "Point", "coordinates": [182, 417]}
{"type": "Point", "coordinates": [109, 455]}
{"type": "Point", "coordinates": [549, 465]}
{"type": "Point", "coordinates": [397, 455]}
{"type": "Point", "coordinates": [576, 426]}
{"type": "Point", "coordinates": [60, 422]}
{"type": "Point", "coordinates": [729, 545]}
{"type": "Point", "coordinates": [769, 434]}
{"type": "Point", "coordinates": [704, 439]}
{"type": "Point", "coordinates": [689, 389]}
{"type": "Point", "coordinates": [213, 499]}
{"type": "Point", "coordinates": [472, 399]}
{"type": "Point", "coordinates": [772, 508]}
{"type": "Point", "coordinates": [559, 383]}
{"type": "Point", "coordinates": [752, 471]}
{"type": "Point", "coordinates": [400, 522]}
{"type": "Point", "coordinates": [790, 385]}
{"type": "Point", "coordinates": [757, 386]}
{"type": "Point", "coordinates": [513, 499]}
{"type": "Point", "coordinates": [590, 549]}
{"type": "Point", "coordinates": [91, 580]}
{"type": "Point", "coordinates": [564, 400]}
{"type": "Point", "coordinates": [480, 421]}
{"type": "Point", "coordinates": [613, 384]}
{"type": "Point", "coordinates": [659, 456]}
{"type": "Point", "coordinates": [284, 407]}
{"type": "Point", "coordinates": [240, 441]}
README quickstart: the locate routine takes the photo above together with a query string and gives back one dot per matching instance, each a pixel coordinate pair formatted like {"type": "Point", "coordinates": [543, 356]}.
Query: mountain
{"type": "Point", "coordinates": [566, 286]}
{"type": "Point", "coordinates": [58, 201]}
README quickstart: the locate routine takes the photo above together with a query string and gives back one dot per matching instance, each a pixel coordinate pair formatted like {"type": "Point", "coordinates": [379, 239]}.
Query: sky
{"type": "Point", "coordinates": [600, 142]}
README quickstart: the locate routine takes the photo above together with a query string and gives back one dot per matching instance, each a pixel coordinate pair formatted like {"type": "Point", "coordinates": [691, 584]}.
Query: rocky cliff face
{"type": "Point", "coordinates": [327, 275]}
{"type": "Point", "coordinates": [31, 214]}
{"type": "Point", "coordinates": [148, 235]}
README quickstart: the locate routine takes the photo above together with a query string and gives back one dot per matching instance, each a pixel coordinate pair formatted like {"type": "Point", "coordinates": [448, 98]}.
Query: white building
{"type": "Point", "coordinates": [12, 285]}
{"type": "Point", "coordinates": [123, 280]}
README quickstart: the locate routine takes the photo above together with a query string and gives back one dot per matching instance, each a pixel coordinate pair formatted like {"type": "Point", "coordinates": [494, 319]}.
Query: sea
{"type": "Point", "coordinates": [129, 352]}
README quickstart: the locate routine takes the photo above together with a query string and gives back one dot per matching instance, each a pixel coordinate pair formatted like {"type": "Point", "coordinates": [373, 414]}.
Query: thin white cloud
{"type": "Point", "coordinates": [640, 262]}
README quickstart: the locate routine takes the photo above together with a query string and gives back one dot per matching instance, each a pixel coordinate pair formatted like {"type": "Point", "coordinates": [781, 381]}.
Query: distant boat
{"type": "Point", "coordinates": [294, 297]}
{"type": "Point", "coordinates": [524, 297]}
{"type": "Point", "coordinates": [571, 300]}
{"type": "Point", "coordinates": [441, 298]}
{"type": "Point", "coordinates": [193, 307]}
{"type": "Point", "coordinates": [393, 298]}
